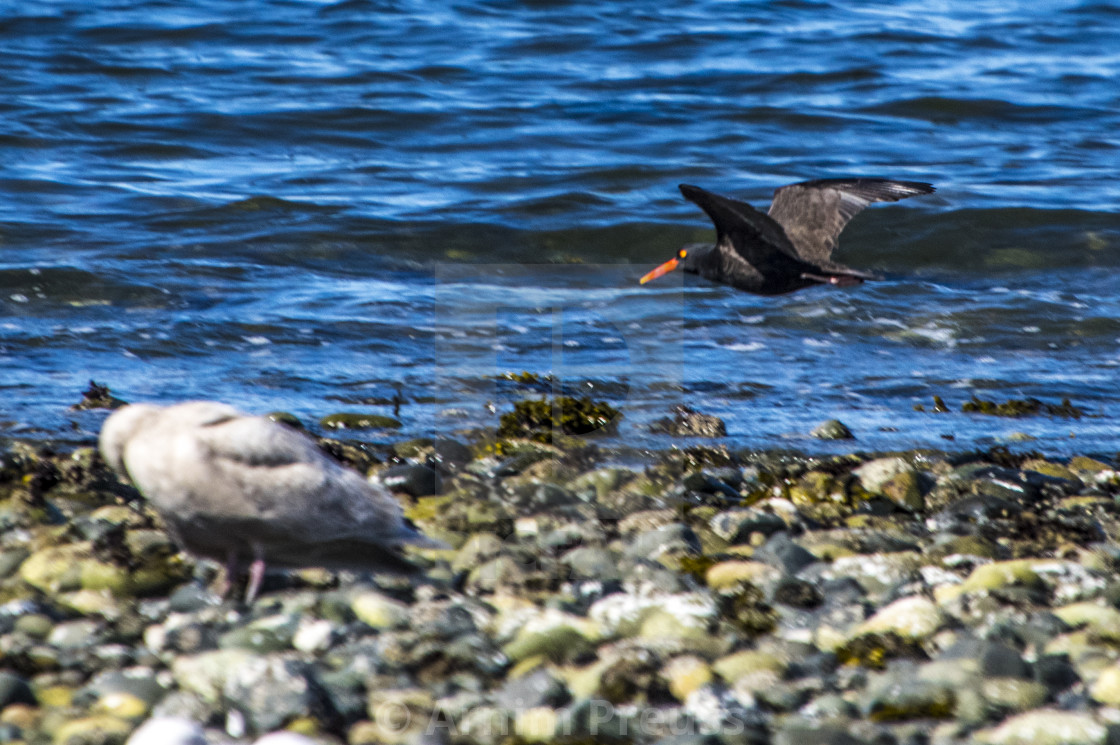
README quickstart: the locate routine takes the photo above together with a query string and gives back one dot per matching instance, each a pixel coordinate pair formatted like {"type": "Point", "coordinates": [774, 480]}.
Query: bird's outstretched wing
{"type": "Point", "coordinates": [813, 213]}
{"type": "Point", "coordinates": [756, 237]}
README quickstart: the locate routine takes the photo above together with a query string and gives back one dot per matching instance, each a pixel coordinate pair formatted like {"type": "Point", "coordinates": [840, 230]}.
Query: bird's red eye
{"type": "Point", "coordinates": [683, 253]}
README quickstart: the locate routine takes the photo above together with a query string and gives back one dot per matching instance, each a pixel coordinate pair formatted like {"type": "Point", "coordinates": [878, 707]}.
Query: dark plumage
{"type": "Point", "coordinates": [789, 248]}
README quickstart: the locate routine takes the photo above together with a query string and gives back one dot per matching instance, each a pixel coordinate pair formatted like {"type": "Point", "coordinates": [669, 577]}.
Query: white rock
{"type": "Point", "coordinates": [168, 731]}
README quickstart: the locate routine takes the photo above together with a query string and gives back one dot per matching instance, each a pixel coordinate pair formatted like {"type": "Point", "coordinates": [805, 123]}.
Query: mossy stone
{"type": "Point", "coordinates": [264, 635]}
{"type": "Point", "coordinates": [122, 705]}
{"type": "Point", "coordinates": [1018, 572]}
{"type": "Point", "coordinates": [662, 623]}
{"type": "Point", "coordinates": [1046, 468]}
{"type": "Point", "coordinates": [286, 418]}
{"type": "Point", "coordinates": [1045, 727]}
{"type": "Point", "coordinates": [967, 545]}
{"type": "Point", "coordinates": [536, 724]}
{"type": "Point", "coordinates": [1013, 694]}
{"type": "Point", "coordinates": [35, 625]}
{"type": "Point", "coordinates": [55, 569]}
{"type": "Point", "coordinates": [600, 482]}
{"type": "Point", "coordinates": [1106, 688]}
{"type": "Point", "coordinates": [557, 643]}
{"type": "Point", "coordinates": [344, 420]}
{"type": "Point", "coordinates": [94, 730]}
{"type": "Point", "coordinates": [412, 448]}
{"type": "Point", "coordinates": [750, 662]}
{"type": "Point", "coordinates": [686, 675]}
{"type": "Point", "coordinates": [728, 575]}
{"type": "Point", "coordinates": [914, 617]}
{"type": "Point", "coordinates": [379, 611]}
{"type": "Point", "coordinates": [832, 429]}
{"type": "Point", "coordinates": [1088, 465]}
{"type": "Point", "coordinates": [1102, 621]}
{"type": "Point", "coordinates": [905, 491]}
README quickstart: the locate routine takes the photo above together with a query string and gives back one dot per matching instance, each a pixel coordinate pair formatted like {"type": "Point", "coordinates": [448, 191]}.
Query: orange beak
{"type": "Point", "coordinates": [660, 271]}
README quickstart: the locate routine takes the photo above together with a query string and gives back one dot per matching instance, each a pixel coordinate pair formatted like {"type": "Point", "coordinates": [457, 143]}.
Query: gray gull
{"type": "Point", "coordinates": [239, 488]}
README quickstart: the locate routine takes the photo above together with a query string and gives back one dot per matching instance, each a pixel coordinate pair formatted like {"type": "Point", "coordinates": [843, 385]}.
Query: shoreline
{"type": "Point", "coordinates": [701, 595]}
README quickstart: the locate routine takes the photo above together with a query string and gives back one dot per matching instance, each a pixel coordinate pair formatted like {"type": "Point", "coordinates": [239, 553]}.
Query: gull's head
{"type": "Point", "coordinates": [121, 426]}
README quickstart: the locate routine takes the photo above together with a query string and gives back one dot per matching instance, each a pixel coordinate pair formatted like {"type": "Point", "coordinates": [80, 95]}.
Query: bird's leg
{"type": "Point", "coordinates": [256, 574]}
{"type": "Point", "coordinates": [232, 567]}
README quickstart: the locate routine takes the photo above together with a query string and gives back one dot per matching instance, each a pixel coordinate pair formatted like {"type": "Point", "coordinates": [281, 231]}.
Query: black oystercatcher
{"type": "Point", "coordinates": [245, 489]}
{"type": "Point", "coordinates": [789, 248]}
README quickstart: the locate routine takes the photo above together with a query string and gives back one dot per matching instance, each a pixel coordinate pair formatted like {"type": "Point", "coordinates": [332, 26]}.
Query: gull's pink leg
{"type": "Point", "coordinates": [256, 574]}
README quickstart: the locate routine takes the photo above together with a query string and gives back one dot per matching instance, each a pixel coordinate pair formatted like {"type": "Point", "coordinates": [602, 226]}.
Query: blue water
{"type": "Point", "coordinates": [313, 206]}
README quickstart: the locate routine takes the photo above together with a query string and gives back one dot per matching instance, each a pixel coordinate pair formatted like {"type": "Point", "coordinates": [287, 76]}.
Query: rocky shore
{"type": "Point", "coordinates": [591, 595]}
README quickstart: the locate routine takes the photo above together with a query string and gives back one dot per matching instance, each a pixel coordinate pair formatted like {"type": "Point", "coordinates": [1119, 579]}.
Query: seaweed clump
{"type": "Point", "coordinates": [939, 406]}
{"type": "Point", "coordinates": [98, 396]}
{"type": "Point", "coordinates": [1017, 407]}
{"type": "Point", "coordinates": [539, 420]}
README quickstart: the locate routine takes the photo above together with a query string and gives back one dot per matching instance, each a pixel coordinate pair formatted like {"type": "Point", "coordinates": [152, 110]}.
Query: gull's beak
{"type": "Point", "coordinates": [662, 270]}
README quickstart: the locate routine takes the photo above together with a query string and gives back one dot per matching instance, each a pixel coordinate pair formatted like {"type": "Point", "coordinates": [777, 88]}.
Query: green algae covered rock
{"type": "Point", "coordinates": [541, 420]}
{"type": "Point", "coordinates": [344, 420]}
{"type": "Point", "coordinates": [75, 567]}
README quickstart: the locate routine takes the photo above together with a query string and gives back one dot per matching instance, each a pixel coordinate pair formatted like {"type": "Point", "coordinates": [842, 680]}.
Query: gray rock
{"type": "Point", "coordinates": [538, 688]}
{"type": "Point", "coordinates": [900, 694]}
{"type": "Point", "coordinates": [412, 479]}
{"type": "Point", "coordinates": [591, 562]}
{"type": "Point", "coordinates": [285, 738]}
{"type": "Point", "coordinates": [702, 483]}
{"type": "Point", "coordinates": [675, 538]}
{"type": "Point", "coordinates": [780, 551]}
{"type": "Point", "coordinates": [451, 453]}
{"type": "Point", "coordinates": [73, 634]}
{"type": "Point", "coordinates": [797, 593]}
{"type": "Point", "coordinates": [14, 690]}
{"type": "Point", "coordinates": [138, 682]}
{"type": "Point", "coordinates": [737, 526]}
{"type": "Point", "coordinates": [832, 429]}
{"type": "Point", "coordinates": [688, 423]}
{"type": "Point", "coordinates": [966, 515]}
{"type": "Point", "coordinates": [270, 691]}
{"type": "Point", "coordinates": [166, 730]}
{"type": "Point", "coordinates": [689, 739]}
{"type": "Point", "coordinates": [1056, 672]}
{"type": "Point", "coordinates": [814, 733]}
{"type": "Point", "coordinates": [10, 559]}
{"type": "Point", "coordinates": [269, 634]}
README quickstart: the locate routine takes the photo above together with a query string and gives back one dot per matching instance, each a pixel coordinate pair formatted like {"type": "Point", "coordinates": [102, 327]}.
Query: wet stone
{"type": "Point", "coordinates": [688, 423]}
{"type": "Point", "coordinates": [782, 552]}
{"type": "Point", "coordinates": [707, 484]}
{"type": "Point", "coordinates": [347, 420]}
{"type": "Point", "coordinates": [589, 562]}
{"type": "Point", "coordinates": [412, 479]}
{"type": "Point", "coordinates": [898, 695]}
{"type": "Point", "coordinates": [14, 690]}
{"type": "Point", "coordinates": [1047, 727]}
{"type": "Point", "coordinates": [796, 593]}
{"type": "Point", "coordinates": [537, 688]}
{"type": "Point", "coordinates": [740, 526]}
{"type": "Point", "coordinates": [673, 539]}
{"type": "Point", "coordinates": [270, 692]}
{"type": "Point", "coordinates": [832, 429]}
